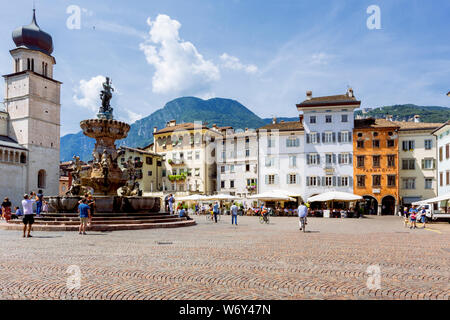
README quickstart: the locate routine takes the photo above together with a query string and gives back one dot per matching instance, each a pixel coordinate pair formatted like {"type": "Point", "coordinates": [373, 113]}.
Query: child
{"type": "Point", "coordinates": [405, 214]}
{"type": "Point", "coordinates": [45, 207]}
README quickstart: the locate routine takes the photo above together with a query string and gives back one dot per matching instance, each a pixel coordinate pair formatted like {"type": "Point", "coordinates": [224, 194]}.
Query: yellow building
{"type": "Point", "coordinates": [189, 157]}
{"type": "Point", "coordinates": [149, 168]}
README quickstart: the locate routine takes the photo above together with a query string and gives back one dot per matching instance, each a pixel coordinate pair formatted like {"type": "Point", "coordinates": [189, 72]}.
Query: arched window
{"type": "Point", "coordinates": [28, 64]}
{"type": "Point", "coordinates": [32, 64]}
{"type": "Point", "coordinates": [17, 65]}
{"type": "Point", "coordinates": [23, 158]}
{"type": "Point", "coordinates": [41, 178]}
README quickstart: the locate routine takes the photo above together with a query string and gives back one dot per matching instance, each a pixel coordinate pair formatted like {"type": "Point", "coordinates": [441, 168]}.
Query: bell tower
{"type": "Point", "coordinates": [32, 100]}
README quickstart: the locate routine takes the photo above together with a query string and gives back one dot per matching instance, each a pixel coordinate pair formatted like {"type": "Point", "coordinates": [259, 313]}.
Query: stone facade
{"type": "Point", "coordinates": [442, 135]}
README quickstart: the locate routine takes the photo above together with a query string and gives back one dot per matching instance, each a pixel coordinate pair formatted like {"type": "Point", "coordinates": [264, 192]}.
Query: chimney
{"type": "Point", "coordinates": [214, 126]}
{"type": "Point", "coordinates": [155, 129]}
{"type": "Point", "coordinates": [171, 123]}
{"type": "Point", "coordinates": [388, 117]}
{"type": "Point", "coordinates": [274, 120]}
{"type": "Point", "coordinates": [350, 92]}
{"type": "Point", "coordinates": [301, 118]}
{"type": "Point", "coordinates": [416, 118]}
{"type": "Point", "coordinates": [308, 95]}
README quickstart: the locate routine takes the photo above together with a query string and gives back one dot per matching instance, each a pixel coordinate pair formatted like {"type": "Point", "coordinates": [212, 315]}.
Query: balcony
{"type": "Point", "coordinates": [176, 162]}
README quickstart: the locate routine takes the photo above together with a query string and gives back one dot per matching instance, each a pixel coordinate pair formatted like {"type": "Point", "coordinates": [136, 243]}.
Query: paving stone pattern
{"type": "Point", "coordinates": [221, 261]}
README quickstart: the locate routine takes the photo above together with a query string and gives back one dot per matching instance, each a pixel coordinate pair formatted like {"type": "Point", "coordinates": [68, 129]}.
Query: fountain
{"type": "Point", "coordinates": [114, 189]}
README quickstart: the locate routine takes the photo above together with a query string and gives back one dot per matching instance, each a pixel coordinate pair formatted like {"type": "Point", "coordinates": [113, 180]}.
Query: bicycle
{"type": "Point", "coordinates": [263, 219]}
{"type": "Point", "coordinates": [303, 223]}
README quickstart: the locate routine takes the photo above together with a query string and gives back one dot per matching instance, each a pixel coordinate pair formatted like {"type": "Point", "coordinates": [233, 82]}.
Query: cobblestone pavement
{"type": "Point", "coordinates": [221, 261]}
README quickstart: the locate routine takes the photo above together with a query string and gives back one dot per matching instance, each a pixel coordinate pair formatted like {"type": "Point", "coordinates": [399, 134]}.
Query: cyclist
{"type": "Point", "coordinates": [302, 214]}
{"type": "Point", "coordinates": [264, 213]}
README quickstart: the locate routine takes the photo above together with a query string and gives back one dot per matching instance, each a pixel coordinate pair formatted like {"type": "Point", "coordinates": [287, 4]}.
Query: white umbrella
{"type": "Point", "coordinates": [221, 197]}
{"type": "Point", "coordinates": [193, 197]}
{"type": "Point", "coordinates": [336, 196]}
{"type": "Point", "coordinates": [444, 197]}
{"type": "Point", "coordinates": [288, 193]}
{"type": "Point", "coordinates": [271, 196]}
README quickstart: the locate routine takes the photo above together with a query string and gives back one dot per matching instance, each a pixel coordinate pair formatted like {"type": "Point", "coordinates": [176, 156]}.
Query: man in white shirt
{"type": "Point", "coordinates": [234, 210]}
{"type": "Point", "coordinates": [302, 214]}
{"type": "Point", "coordinates": [28, 218]}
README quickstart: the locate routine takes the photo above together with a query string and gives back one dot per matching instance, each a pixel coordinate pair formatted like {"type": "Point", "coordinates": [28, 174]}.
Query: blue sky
{"type": "Point", "coordinates": [265, 54]}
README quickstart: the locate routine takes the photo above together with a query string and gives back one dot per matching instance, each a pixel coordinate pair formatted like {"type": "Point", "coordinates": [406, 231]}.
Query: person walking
{"type": "Point", "coordinates": [234, 211]}
{"type": "Point", "coordinates": [39, 202]}
{"type": "Point", "coordinates": [6, 209]}
{"type": "Point", "coordinates": [302, 214]}
{"type": "Point", "coordinates": [216, 211]}
{"type": "Point", "coordinates": [28, 218]}
{"type": "Point", "coordinates": [85, 213]}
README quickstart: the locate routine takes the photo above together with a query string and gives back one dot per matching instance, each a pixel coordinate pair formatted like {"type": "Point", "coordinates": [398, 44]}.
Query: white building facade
{"type": "Point", "coordinates": [442, 135]}
{"type": "Point", "coordinates": [282, 158]}
{"type": "Point", "coordinates": [237, 162]}
{"type": "Point", "coordinates": [32, 102]}
{"type": "Point", "coordinates": [328, 126]}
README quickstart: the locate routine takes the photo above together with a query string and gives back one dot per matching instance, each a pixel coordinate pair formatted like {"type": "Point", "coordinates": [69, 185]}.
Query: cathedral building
{"type": "Point", "coordinates": [30, 124]}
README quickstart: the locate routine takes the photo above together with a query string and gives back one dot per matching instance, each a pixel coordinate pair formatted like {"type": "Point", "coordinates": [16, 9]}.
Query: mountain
{"type": "Point", "coordinates": [407, 111]}
{"type": "Point", "coordinates": [223, 112]}
{"type": "Point", "coordinates": [219, 111]}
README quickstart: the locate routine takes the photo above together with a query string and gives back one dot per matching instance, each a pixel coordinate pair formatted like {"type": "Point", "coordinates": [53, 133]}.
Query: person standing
{"type": "Point", "coordinates": [234, 211]}
{"type": "Point", "coordinates": [413, 217]}
{"type": "Point", "coordinates": [39, 202]}
{"type": "Point", "coordinates": [166, 202]}
{"type": "Point", "coordinates": [216, 211]}
{"type": "Point", "coordinates": [6, 209]}
{"type": "Point", "coordinates": [171, 202]}
{"type": "Point", "coordinates": [84, 211]}
{"type": "Point", "coordinates": [423, 217]}
{"type": "Point", "coordinates": [28, 218]}
{"type": "Point", "coordinates": [302, 214]}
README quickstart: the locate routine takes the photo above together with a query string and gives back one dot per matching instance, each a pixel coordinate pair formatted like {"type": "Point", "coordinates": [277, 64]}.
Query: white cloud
{"type": "Point", "coordinates": [320, 58]}
{"type": "Point", "coordinates": [180, 68]}
{"type": "Point", "coordinates": [233, 63]}
{"type": "Point", "coordinates": [87, 93]}
{"type": "Point", "coordinates": [133, 116]}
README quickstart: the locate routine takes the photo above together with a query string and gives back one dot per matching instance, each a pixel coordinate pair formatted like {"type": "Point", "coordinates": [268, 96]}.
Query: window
{"type": "Point", "coordinates": [270, 179]}
{"type": "Point", "coordinates": [344, 158]}
{"type": "Point", "coordinates": [197, 155]}
{"type": "Point", "coordinates": [313, 159]}
{"type": "Point", "coordinates": [441, 179]}
{"type": "Point", "coordinates": [41, 179]}
{"type": "Point", "coordinates": [447, 150]}
{"type": "Point", "coordinates": [428, 144]}
{"type": "Point", "coordinates": [360, 144]}
{"type": "Point", "coordinates": [312, 137]}
{"type": "Point", "coordinates": [409, 183]}
{"type": "Point", "coordinates": [328, 119]}
{"type": "Point", "coordinates": [448, 177]}
{"type": "Point", "coordinates": [428, 183]}
{"type": "Point", "coordinates": [223, 155]}
{"type": "Point", "coordinates": [375, 143]}
{"type": "Point", "coordinates": [222, 169]}
{"type": "Point", "coordinates": [270, 142]}
{"type": "Point", "coordinates": [270, 161]}
{"type": "Point", "coordinates": [17, 65]}
{"type": "Point", "coordinates": [344, 181]}
{"type": "Point", "coordinates": [408, 164]}
{"type": "Point", "coordinates": [390, 143]}
{"type": "Point", "coordinates": [197, 171]}
{"type": "Point", "coordinates": [231, 184]}
{"type": "Point", "coordinates": [327, 137]}
{"type": "Point", "coordinates": [247, 140]}
{"type": "Point", "coordinates": [391, 180]}
{"type": "Point", "coordinates": [231, 168]}
{"type": "Point", "coordinates": [344, 118]}
{"type": "Point", "coordinates": [376, 161]}
{"type": "Point", "coordinates": [292, 142]}
{"type": "Point", "coordinates": [189, 155]}
{"type": "Point", "coordinates": [376, 180]}
{"type": "Point", "coordinates": [189, 172]}
{"type": "Point", "coordinates": [163, 172]}
{"type": "Point", "coordinates": [291, 179]}
{"type": "Point", "coordinates": [441, 154]}
{"type": "Point", "coordinates": [360, 161]}
{"type": "Point", "coordinates": [428, 163]}
{"type": "Point", "coordinates": [149, 173]}
{"type": "Point", "coordinates": [312, 181]}
{"type": "Point", "coordinates": [149, 160]}
{"type": "Point", "coordinates": [329, 181]}
{"type": "Point", "coordinates": [329, 158]}
{"type": "Point", "coordinates": [222, 184]}
{"type": "Point", "coordinates": [247, 167]}
{"type": "Point", "coordinates": [344, 136]}
{"type": "Point", "coordinates": [391, 161]}
{"type": "Point", "coordinates": [361, 181]}
{"type": "Point", "coordinates": [292, 161]}
{"type": "Point", "coordinates": [312, 119]}
{"type": "Point", "coordinates": [247, 153]}
{"type": "Point", "coordinates": [408, 145]}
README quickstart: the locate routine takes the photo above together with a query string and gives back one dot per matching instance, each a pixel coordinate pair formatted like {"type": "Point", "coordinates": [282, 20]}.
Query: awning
{"type": "Point", "coordinates": [444, 197]}
{"type": "Point", "coordinates": [410, 200]}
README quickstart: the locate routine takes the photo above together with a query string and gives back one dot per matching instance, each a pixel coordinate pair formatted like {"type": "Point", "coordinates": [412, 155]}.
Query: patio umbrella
{"type": "Point", "coordinates": [271, 196]}
{"type": "Point", "coordinates": [335, 196]}
{"type": "Point", "coordinates": [444, 197]}
{"type": "Point", "coordinates": [221, 197]}
{"type": "Point", "coordinates": [193, 197]}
